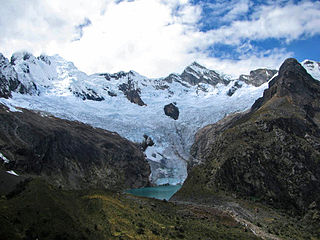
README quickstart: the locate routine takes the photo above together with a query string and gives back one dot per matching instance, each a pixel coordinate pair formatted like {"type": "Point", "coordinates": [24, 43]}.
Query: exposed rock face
{"type": "Point", "coordinates": [89, 94]}
{"type": "Point", "coordinates": [172, 111]}
{"type": "Point", "coordinates": [234, 88]}
{"type": "Point", "coordinates": [147, 142]}
{"type": "Point", "coordinates": [70, 154]}
{"type": "Point", "coordinates": [132, 93]}
{"type": "Point", "coordinates": [258, 77]}
{"type": "Point", "coordinates": [272, 152]}
{"type": "Point", "coordinates": [8, 79]}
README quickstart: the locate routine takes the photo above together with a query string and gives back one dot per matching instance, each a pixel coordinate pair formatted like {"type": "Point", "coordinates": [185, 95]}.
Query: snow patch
{"type": "Point", "coordinates": [6, 160]}
{"type": "Point", "coordinates": [9, 105]}
{"type": "Point", "coordinates": [12, 173]}
{"type": "Point", "coordinates": [313, 68]}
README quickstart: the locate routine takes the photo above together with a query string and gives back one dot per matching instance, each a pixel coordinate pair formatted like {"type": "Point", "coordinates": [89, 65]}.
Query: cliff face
{"type": "Point", "coordinates": [69, 154]}
{"type": "Point", "coordinates": [270, 153]}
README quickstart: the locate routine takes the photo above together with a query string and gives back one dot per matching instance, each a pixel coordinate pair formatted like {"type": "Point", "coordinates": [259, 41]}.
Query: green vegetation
{"type": "Point", "coordinates": [46, 212]}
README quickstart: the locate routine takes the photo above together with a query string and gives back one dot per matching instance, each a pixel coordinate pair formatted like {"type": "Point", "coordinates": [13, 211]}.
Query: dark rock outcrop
{"type": "Point", "coordinates": [132, 93]}
{"type": "Point", "coordinates": [70, 154]}
{"type": "Point", "coordinates": [270, 153]}
{"type": "Point", "coordinates": [234, 88]}
{"type": "Point", "coordinates": [258, 77]}
{"type": "Point", "coordinates": [89, 94]}
{"type": "Point", "coordinates": [147, 142]}
{"type": "Point", "coordinates": [8, 79]}
{"type": "Point", "coordinates": [172, 111]}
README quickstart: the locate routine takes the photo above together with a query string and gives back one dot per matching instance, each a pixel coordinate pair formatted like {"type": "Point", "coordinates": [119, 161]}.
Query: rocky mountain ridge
{"type": "Point", "coordinates": [269, 153]}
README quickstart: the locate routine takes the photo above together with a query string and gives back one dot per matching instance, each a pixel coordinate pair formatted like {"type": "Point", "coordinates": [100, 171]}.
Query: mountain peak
{"type": "Point", "coordinates": [22, 55]}
{"type": "Point", "coordinates": [293, 82]}
{"type": "Point", "coordinates": [291, 76]}
{"type": "Point", "coordinates": [258, 77]}
{"type": "Point", "coordinates": [196, 73]}
{"type": "Point", "coordinates": [197, 65]}
{"type": "Point", "coordinates": [312, 67]}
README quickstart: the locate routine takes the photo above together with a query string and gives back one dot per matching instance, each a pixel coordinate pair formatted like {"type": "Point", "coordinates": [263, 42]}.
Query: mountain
{"type": "Point", "coordinates": [8, 79]}
{"type": "Point", "coordinates": [269, 153]}
{"type": "Point", "coordinates": [119, 101]}
{"type": "Point", "coordinates": [242, 170]}
{"type": "Point", "coordinates": [71, 155]}
{"type": "Point", "coordinates": [195, 74]}
{"type": "Point", "coordinates": [258, 77]}
{"type": "Point", "coordinates": [312, 67]}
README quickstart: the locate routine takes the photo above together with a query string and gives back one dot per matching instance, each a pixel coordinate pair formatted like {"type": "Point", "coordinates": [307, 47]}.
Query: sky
{"type": "Point", "coordinates": [158, 37]}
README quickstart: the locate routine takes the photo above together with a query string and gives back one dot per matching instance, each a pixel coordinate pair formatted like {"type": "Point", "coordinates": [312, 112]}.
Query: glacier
{"type": "Point", "coordinates": [57, 88]}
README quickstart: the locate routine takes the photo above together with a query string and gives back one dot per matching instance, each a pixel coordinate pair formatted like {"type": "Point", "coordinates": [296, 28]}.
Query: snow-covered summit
{"type": "Point", "coordinates": [195, 74]}
{"type": "Point", "coordinates": [312, 67]}
{"type": "Point", "coordinates": [8, 79]}
{"type": "Point", "coordinates": [132, 105]}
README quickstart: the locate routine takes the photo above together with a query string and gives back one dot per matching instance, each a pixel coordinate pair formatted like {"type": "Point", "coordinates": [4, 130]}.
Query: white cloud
{"type": "Point", "coordinates": [288, 22]}
{"type": "Point", "coordinates": [143, 35]}
{"type": "Point", "coordinates": [270, 59]}
{"type": "Point", "coordinates": [153, 37]}
{"type": "Point", "coordinates": [237, 9]}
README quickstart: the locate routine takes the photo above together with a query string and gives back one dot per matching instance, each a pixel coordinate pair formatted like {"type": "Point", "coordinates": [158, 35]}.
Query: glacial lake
{"type": "Point", "coordinates": [159, 192]}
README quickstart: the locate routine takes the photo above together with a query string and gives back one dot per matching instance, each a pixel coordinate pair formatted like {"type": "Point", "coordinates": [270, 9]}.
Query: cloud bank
{"type": "Point", "coordinates": [157, 37]}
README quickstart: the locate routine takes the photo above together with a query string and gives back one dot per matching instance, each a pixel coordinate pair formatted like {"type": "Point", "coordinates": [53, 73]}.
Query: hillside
{"type": "Point", "coordinates": [270, 153]}
{"type": "Point", "coordinates": [70, 155]}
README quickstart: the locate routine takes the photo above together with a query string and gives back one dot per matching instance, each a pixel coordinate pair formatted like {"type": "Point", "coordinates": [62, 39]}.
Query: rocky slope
{"type": "Point", "coordinates": [69, 154]}
{"type": "Point", "coordinates": [270, 153]}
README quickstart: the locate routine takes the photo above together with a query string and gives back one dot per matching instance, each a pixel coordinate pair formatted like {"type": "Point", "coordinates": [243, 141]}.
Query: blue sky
{"type": "Point", "coordinates": [214, 13]}
{"type": "Point", "coordinates": [157, 37]}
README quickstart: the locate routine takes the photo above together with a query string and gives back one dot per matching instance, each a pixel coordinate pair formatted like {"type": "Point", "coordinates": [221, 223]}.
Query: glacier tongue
{"type": "Point", "coordinates": [60, 89]}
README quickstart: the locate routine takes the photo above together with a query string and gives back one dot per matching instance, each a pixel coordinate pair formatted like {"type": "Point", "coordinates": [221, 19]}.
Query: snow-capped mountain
{"type": "Point", "coordinates": [133, 105]}
{"type": "Point", "coordinates": [312, 67]}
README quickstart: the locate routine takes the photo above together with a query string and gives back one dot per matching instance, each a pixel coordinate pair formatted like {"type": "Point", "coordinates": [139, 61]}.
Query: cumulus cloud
{"type": "Point", "coordinates": [153, 37]}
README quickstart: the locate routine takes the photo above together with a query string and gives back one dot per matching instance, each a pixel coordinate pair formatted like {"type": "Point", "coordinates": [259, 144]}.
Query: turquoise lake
{"type": "Point", "coordinates": [159, 192]}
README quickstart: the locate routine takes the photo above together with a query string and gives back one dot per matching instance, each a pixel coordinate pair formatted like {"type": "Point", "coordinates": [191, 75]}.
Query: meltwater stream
{"type": "Point", "coordinates": [158, 192]}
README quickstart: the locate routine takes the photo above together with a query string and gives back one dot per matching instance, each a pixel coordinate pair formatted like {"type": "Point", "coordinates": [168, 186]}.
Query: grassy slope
{"type": "Point", "coordinates": [41, 211]}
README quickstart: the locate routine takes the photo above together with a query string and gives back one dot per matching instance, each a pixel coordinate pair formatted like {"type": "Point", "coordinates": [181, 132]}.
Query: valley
{"type": "Point", "coordinates": [246, 151]}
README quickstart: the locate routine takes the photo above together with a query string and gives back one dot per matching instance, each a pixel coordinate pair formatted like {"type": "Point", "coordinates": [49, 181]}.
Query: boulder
{"type": "Point", "coordinates": [172, 111]}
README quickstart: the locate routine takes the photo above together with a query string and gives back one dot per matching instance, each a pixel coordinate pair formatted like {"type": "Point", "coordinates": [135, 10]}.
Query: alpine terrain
{"type": "Point", "coordinates": [245, 149]}
{"type": "Point", "coordinates": [166, 111]}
